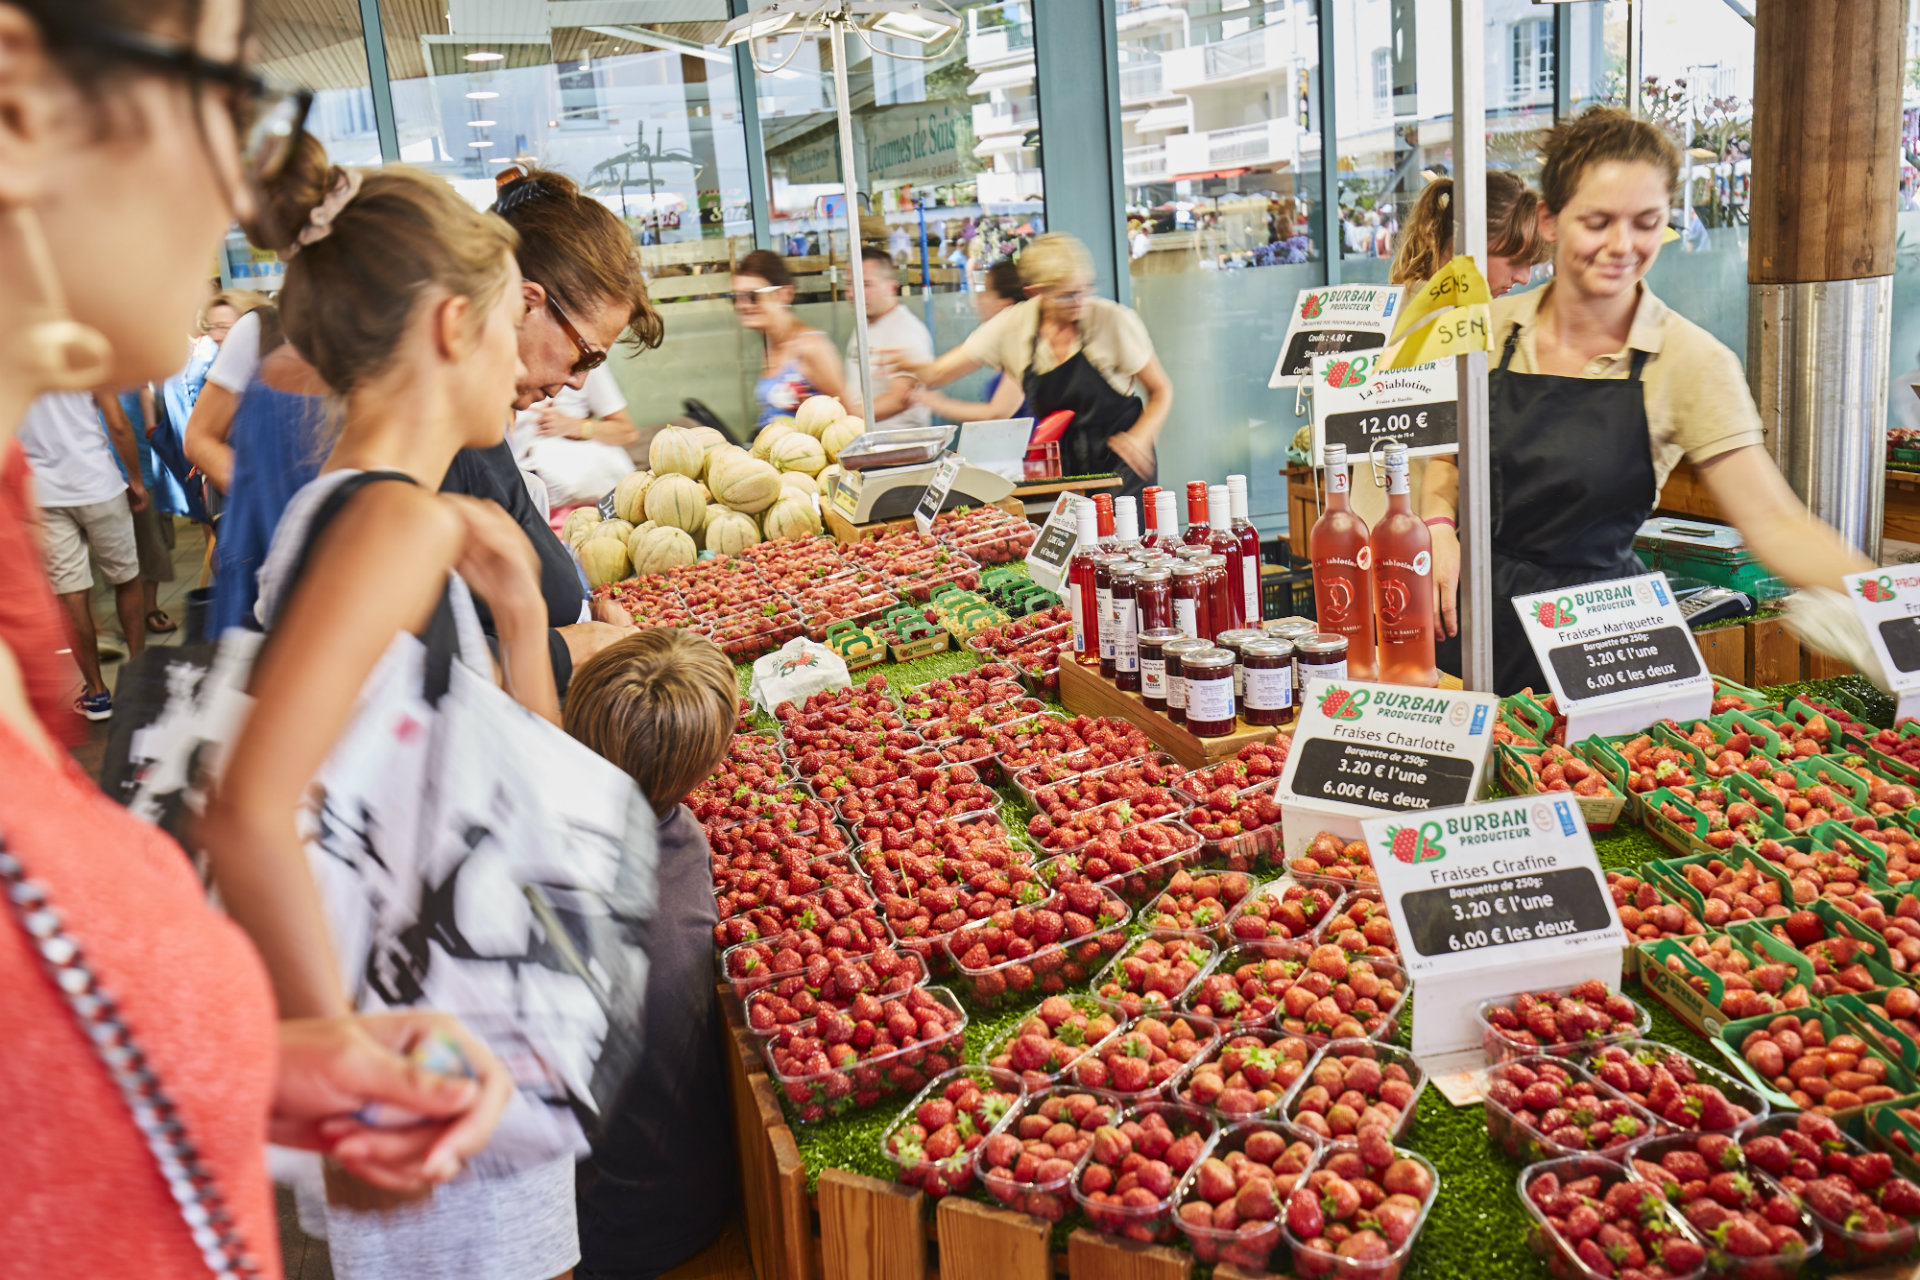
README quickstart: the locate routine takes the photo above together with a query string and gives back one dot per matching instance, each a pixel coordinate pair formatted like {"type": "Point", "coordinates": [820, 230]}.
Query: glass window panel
{"type": "Point", "coordinates": [1597, 53]}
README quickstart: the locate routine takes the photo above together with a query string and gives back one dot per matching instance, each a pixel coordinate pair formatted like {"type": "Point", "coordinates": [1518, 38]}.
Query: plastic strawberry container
{"type": "Point", "coordinates": [991, 716]}
{"type": "Point", "coordinates": [1206, 1035]}
{"type": "Point", "coordinates": [1384, 1054]}
{"type": "Point", "coordinates": [1248, 1249]}
{"type": "Point", "coordinates": [1734, 1090]}
{"type": "Point", "coordinates": [1277, 888]}
{"type": "Point", "coordinates": [1312, 1264]}
{"type": "Point", "coordinates": [1381, 1025]}
{"type": "Point", "coordinates": [1047, 970]}
{"type": "Point", "coordinates": [951, 1174]}
{"type": "Point", "coordinates": [1775, 1266]}
{"type": "Point", "coordinates": [1040, 796]}
{"type": "Point", "coordinates": [1244, 1014]}
{"type": "Point", "coordinates": [1081, 827]}
{"type": "Point", "coordinates": [1135, 884]}
{"type": "Point", "coordinates": [1324, 934]}
{"type": "Point", "coordinates": [950, 567]}
{"type": "Point", "coordinates": [1846, 1248]}
{"type": "Point", "coordinates": [753, 964]}
{"type": "Point", "coordinates": [813, 1096]}
{"type": "Point", "coordinates": [1522, 1141]}
{"type": "Point", "coordinates": [999, 543]}
{"type": "Point", "coordinates": [1146, 1223]}
{"type": "Point", "coordinates": [1049, 1198]}
{"type": "Point", "coordinates": [732, 894]}
{"type": "Point", "coordinates": [1063, 1073]}
{"type": "Point", "coordinates": [1029, 780]}
{"type": "Point", "coordinates": [1134, 1003]}
{"type": "Point", "coordinates": [1255, 851]}
{"type": "Point", "coordinates": [768, 996]}
{"type": "Point", "coordinates": [973, 824]}
{"type": "Point", "coordinates": [1547, 1242]}
{"type": "Point", "coordinates": [1289, 1048]}
{"type": "Point", "coordinates": [1501, 1046]}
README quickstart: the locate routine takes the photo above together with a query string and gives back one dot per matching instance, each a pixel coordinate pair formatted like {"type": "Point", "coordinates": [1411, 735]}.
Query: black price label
{"type": "Point", "coordinates": [938, 487]}
{"type": "Point", "coordinates": [1380, 777]}
{"type": "Point", "coordinates": [1505, 911]}
{"type": "Point", "coordinates": [1309, 343]}
{"type": "Point", "coordinates": [1418, 426]}
{"type": "Point", "coordinates": [606, 507]}
{"type": "Point", "coordinates": [1636, 660]}
{"type": "Point", "coordinates": [1055, 545]}
{"type": "Point", "coordinates": [1903, 642]}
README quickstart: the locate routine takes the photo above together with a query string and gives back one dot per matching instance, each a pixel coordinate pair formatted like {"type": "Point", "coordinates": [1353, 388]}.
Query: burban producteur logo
{"type": "Point", "coordinates": [1876, 590]}
{"type": "Point", "coordinates": [1417, 844]}
{"type": "Point", "coordinates": [1555, 613]}
{"type": "Point", "coordinates": [1344, 704]}
{"type": "Point", "coordinates": [1310, 307]}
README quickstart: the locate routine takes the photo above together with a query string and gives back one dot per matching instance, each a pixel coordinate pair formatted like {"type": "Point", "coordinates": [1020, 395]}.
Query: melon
{"type": "Point", "coordinates": [605, 560]}
{"type": "Point", "coordinates": [677, 500]}
{"type": "Point", "coordinates": [716, 456]}
{"type": "Point", "coordinates": [797, 451]}
{"type": "Point", "coordinates": [678, 450]}
{"type": "Point", "coordinates": [663, 548]}
{"type": "Point", "coordinates": [840, 435]}
{"type": "Point", "coordinates": [793, 517]}
{"type": "Point", "coordinates": [827, 476]}
{"type": "Point", "coordinates": [707, 438]}
{"type": "Point", "coordinates": [640, 531]}
{"type": "Point", "coordinates": [817, 413]}
{"type": "Point", "coordinates": [769, 436]}
{"type": "Point", "coordinates": [614, 528]}
{"type": "Point", "coordinates": [744, 483]}
{"type": "Point", "coordinates": [728, 533]}
{"type": "Point", "coordinates": [796, 482]}
{"type": "Point", "coordinates": [630, 497]}
{"type": "Point", "coordinates": [574, 528]}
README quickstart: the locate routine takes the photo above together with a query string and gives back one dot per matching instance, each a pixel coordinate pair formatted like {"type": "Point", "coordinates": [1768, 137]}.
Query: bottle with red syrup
{"type": "Point", "coordinates": [1086, 616]}
{"type": "Point", "coordinates": [1224, 542]}
{"type": "Point", "coordinates": [1343, 570]}
{"type": "Point", "coordinates": [1150, 516]}
{"type": "Point", "coordinates": [1249, 535]}
{"type": "Point", "coordinates": [1197, 532]}
{"type": "Point", "coordinates": [1103, 503]}
{"type": "Point", "coordinates": [1126, 528]}
{"type": "Point", "coordinates": [1169, 519]}
{"type": "Point", "coordinates": [1403, 583]}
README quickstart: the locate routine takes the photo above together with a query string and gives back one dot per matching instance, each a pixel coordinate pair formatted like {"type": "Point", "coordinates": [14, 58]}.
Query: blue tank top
{"type": "Point", "coordinates": [276, 452]}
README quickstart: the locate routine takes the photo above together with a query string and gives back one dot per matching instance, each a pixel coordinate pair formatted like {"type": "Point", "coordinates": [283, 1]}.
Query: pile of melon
{"type": "Point", "coordinates": [702, 493]}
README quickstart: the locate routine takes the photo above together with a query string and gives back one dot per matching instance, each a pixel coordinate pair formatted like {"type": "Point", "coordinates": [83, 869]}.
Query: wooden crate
{"type": "Point", "coordinates": [845, 530]}
{"type": "Point", "coordinates": [1724, 650]}
{"type": "Point", "coordinates": [1083, 692]}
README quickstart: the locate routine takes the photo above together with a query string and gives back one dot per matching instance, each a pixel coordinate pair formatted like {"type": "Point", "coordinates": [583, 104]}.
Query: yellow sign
{"type": "Point", "coordinates": [1448, 316]}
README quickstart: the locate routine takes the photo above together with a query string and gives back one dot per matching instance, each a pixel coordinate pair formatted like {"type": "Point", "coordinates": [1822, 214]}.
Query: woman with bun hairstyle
{"type": "Point", "coordinates": [139, 1047]}
{"type": "Point", "coordinates": [1598, 390]}
{"type": "Point", "coordinates": [407, 303]}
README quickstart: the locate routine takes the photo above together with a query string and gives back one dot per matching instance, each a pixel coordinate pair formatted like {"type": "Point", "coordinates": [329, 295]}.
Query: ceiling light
{"type": "Point", "coordinates": [910, 22]}
{"type": "Point", "coordinates": [480, 124]}
{"type": "Point", "coordinates": [485, 55]}
{"type": "Point", "coordinates": [480, 145]}
{"type": "Point", "coordinates": [481, 95]}
{"type": "Point", "coordinates": [758, 26]}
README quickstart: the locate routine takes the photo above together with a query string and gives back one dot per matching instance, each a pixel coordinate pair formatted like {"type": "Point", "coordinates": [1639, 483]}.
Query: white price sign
{"type": "Point", "coordinates": [1887, 602]}
{"type": "Point", "coordinates": [1361, 406]}
{"type": "Point", "coordinates": [1338, 318]}
{"type": "Point", "coordinates": [1617, 655]}
{"type": "Point", "coordinates": [1048, 558]}
{"type": "Point", "coordinates": [1491, 899]}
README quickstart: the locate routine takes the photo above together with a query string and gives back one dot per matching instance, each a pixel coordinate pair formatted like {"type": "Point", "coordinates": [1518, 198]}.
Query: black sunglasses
{"type": "Point", "coordinates": [591, 357]}
{"type": "Point", "coordinates": [268, 119]}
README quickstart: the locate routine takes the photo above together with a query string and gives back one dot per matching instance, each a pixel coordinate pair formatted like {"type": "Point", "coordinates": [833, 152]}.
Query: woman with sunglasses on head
{"type": "Point", "coordinates": [143, 1062]}
{"type": "Point", "coordinates": [799, 360]}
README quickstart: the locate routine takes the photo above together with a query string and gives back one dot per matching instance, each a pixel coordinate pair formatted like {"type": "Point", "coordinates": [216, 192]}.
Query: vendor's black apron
{"type": "Point", "coordinates": [1572, 482]}
{"type": "Point", "coordinates": [1098, 412]}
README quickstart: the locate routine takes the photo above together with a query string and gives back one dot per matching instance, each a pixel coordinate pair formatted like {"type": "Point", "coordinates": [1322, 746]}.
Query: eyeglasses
{"type": "Point", "coordinates": [268, 119]}
{"type": "Point", "coordinates": [591, 357]}
{"type": "Point", "coordinates": [751, 297]}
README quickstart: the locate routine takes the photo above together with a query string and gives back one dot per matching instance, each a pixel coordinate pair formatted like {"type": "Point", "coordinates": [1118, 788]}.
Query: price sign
{"type": "Point", "coordinates": [1361, 406]}
{"type": "Point", "coordinates": [606, 507]}
{"type": "Point", "coordinates": [846, 494]}
{"type": "Point", "coordinates": [1887, 602]}
{"type": "Point", "coordinates": [937, 489]}
{"type": "Point", "coordinates": [1054, 547]}
{"type": "Point", "coordinates": [1491, 899]}
{"type": "Point", "coordinates": [1361, 749]}
{"type": "Point", "coordinates": [1341, 318]}
{"type": "Point", "coordinates": [1617, 654]}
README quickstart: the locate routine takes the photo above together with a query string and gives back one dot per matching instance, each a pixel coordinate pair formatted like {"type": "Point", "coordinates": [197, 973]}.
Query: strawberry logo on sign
{"type": "Point", "coordinates": [1555, 613]}
{"type": "Point", "coordinates": [1343, 704]}
{"type": "Point", "coordinates": [1414, 845]}
{"type": "Point", "coordinates": [1310, 307]}
{"type": "Point", "coordinates": [1877, 590]}
{"type": "Point", "coordinates": [799, 662]}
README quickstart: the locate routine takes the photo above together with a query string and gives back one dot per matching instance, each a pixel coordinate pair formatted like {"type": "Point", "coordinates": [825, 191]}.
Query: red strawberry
{"type": "Point", "coordinates": [1406, 843]}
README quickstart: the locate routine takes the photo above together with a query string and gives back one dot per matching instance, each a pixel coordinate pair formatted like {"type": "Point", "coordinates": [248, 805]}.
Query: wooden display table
{"type": "Point", "coordinates": [1084, 692]}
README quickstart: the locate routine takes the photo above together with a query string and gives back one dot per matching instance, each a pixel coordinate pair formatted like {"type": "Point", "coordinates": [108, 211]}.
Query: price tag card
{"type": "Point", "coordinates": [1491, 899]}
{"type": "Point", "coordinates": [845, 497]}
{"type": "Point", "coordinates": [937, 489]}
{"type": "Point", "coordinates": [1357, 404]}
{"type": "Point", "coordinates": [1887, 602]}
{"type": "Point", "coordinates": [1617, 655]}
{"type": "Point", "coordinates": [1361, 749]}
{"type": "Point", "coordinates": [1054, 547]}
{"type": "Point", "coordinates": [1328, 321]}
{"type": "Point", "coordinates": [606, 507]}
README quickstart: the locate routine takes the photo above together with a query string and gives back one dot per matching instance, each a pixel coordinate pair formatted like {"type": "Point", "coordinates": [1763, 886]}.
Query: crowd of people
{"type": "Point", "coordinates": [360, 447]}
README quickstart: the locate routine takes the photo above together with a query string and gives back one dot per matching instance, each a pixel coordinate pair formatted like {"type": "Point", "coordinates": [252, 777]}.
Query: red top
{"type": "Point", "coordinates": [32, 623]}
{"type": "Point", "coordinates": [82, 1194]}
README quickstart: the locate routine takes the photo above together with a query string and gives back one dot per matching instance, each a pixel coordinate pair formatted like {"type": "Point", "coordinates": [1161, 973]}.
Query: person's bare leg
{"type": "Point", "coordinates": [85, 650]}
{"type": "Point", "coordinates": [128, 600]}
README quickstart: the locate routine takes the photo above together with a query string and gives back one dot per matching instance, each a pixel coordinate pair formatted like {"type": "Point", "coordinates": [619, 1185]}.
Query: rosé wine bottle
{"type": "Point", "coordinates": [1342, 570]}
{"type": "Point", "coordinates": [1224, 542]}
{"type": "Point", "coordinates": [1249, 535]}
{"type": "Point", "coordinates": [1086, 623]}
{"type": "Point", "coordinates": [1403, 583]}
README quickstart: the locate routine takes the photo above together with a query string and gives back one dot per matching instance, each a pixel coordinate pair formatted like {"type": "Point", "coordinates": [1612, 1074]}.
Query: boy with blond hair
{"type": "Point", "coordinates": [659, 1186]}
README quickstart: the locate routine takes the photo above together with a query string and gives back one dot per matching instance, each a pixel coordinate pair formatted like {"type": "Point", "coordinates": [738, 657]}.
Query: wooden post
{"type": "Point", "coordinates": [1096, 1257]}
{"type": "Point", "coordinates": [1724, 650]}
{"type": "Point", "coordinates": [1773, 654]}
{"type": "Point", "coordinates": [982, 1242]}
{"type": "Point", "coordinates": [870, 1229]}
{"type": "Point", "coordinates": [773, 1178]}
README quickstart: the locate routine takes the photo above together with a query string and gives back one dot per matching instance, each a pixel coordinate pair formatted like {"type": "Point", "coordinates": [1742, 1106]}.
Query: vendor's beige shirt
{"type": "Point", "coordinates": [1113, 337]}
{"type": "Point", "coordinates": [1698, 405]}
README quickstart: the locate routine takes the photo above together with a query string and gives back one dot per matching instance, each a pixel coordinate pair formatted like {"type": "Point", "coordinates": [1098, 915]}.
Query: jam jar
{"type": "Point", "coordinates": [1103, 607]}
{"type": "Point", "coordinates": [1319, 657]}
{"type": "Point", "coordinates": [1126, 627]}
{"type": "Point", "coordinates": [1153, 666]}
{"type": "Point", "coordinates": [1266, 682]}
{"type": "Point", "coordinates": [1188, 583]}
{"type": "Point", "coordinates": [1173, 652]}
{"type": "Point", "coordinates": [1153, 597]}
{"type": "Point", "coordinates": [1231, 642]}
{"type": "Point", "coordinates": [1219, 597]}
{"type": "Point", "coordinates": [1208, 674]}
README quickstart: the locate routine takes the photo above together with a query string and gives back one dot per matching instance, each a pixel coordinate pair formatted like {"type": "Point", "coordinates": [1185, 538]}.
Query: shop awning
{"type": "Point", "coordinates": [1165, 119]}
{"type": "Point", "coordinates": [999, 144]}
{"type": "Point", "coordinates": [1209, 173]}
{"type": "Point", "coordinates": [1005, 78]}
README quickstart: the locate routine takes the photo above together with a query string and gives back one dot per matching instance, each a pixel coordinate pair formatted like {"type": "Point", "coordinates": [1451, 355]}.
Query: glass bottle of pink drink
{"type": "Point", "coordinates": [1403, 583]}
{"type": "Point", "coordinates": [1343, 570]}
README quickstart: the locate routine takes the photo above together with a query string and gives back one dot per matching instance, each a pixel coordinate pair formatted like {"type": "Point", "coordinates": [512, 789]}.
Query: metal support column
{"type": "Point", "coordinates": [1475, 510]}
{"type": "Point", "coordinates": [747, 86]}
{"type": "Point", "coordinates": [1332, 245]}
{"type": "Point", "coordinates": [1636, 28]}
{"type": "Point", "coordinates": [1562, 61]}
{"type": "Point", "coordinates": [837, 38]}
{"type": "Point", "coordinates": [378, 82]}
{"type": "Point", "coordinates": [1077, 81]}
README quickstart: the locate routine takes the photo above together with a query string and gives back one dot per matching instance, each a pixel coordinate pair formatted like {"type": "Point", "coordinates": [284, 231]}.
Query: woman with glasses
{"type": "Point", "coordinates": [143, 1063]}
{"type": "Point", "coordinates": [1071, 351]}
{"type": "Point", "coordinates": [799, 361]}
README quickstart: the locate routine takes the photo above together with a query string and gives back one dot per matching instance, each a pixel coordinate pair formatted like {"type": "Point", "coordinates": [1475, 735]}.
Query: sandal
{"type": "Point", "coordinates": [164, 626]}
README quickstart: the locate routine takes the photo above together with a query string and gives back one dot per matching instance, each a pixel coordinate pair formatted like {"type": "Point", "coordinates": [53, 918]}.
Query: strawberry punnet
{"type": "Point", "coordinates": [1745, 1217]}
{"type": "Point", "coordinates": [1866, 1210]}
{"type": "Point", "coordinates": [1028, 1165]}
{"type": "Point", "coordinates": [1608, 1224]}
{"type": "Point", "coordinates": [933, 1141]}
{"type": "Point", "coordinates": [1261, 1162]}
{"type": "Point", "coordinates": [1358, 1212]}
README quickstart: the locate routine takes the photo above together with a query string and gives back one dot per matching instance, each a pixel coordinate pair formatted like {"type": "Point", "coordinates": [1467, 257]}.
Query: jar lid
{"type": "Point", "coordinates": [1125, 566]}
{"type": "Point", "coordinates": [1287, 628]}
{"type": "Point", "coordinates": [1193, 551]}
{"type": "Point", "coordinates": [1214, 562]}
{"type": "Point", "coordinates": [1267, 648]}
{"type": "Point", "coordinates": [1321, 642]}
{"type": "Point", "coordinates": [1152, 573]}
{"type": "Point", "coordinates": [1207, 659]}
{"type": "Point", "coordinates": [1161, 635]}
{"type": "Point", "coordinates": [1235, 638]}
{"type": "Point", "coordinates": [1188, 644]}
{"type": "Point", "coordinates": [1187, 569]}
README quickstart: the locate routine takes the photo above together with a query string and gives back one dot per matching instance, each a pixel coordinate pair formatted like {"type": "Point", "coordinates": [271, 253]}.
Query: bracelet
{"type": "Point", "coordinates": [1445, 520]}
